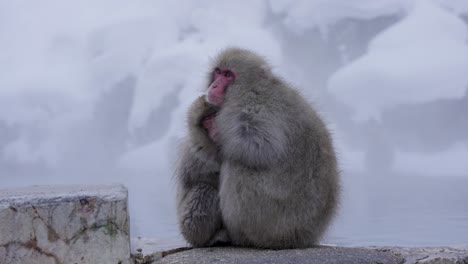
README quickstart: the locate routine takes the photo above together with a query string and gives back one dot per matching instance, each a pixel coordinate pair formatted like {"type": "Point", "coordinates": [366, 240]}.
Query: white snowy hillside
{"type": "Point", "coordinates": [421, 58]}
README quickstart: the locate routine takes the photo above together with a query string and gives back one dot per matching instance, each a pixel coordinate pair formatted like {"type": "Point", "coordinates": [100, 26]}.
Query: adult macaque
{"type": "Point", "coordinates": [264, 158]}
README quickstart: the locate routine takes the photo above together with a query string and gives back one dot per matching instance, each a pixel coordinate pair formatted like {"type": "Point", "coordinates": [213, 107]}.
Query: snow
{"type": "Point", "coordinates": [80, 50]}
{"type": "Point", "coordinates": [421, 58]}
{"type": "Point", "coordinates": [305, 14]}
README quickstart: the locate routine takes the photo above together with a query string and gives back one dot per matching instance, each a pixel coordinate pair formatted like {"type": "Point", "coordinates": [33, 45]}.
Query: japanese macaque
{"type": "Point", "coordinates": [258, 168]}
{"type": "Point", "coordinates": [198, 180]}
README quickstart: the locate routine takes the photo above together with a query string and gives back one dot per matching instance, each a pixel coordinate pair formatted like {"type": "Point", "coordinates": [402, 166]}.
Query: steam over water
{"type": "Point", "coordinates": [96, 92]}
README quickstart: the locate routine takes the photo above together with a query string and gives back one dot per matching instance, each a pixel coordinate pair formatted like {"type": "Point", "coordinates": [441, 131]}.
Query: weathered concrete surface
{"type": "Point", "coordinates": [431, 255]}
{"type": "Point", "coordinates": [147, 251]}
{"type": "Point", "coordinates": [64, 224]}
{"type": "Point", "coordinates": [318, 255]}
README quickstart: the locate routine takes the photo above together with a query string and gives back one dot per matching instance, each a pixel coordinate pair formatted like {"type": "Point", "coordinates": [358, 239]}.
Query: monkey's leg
{"type": "Point", "coordinates": [201, 216]}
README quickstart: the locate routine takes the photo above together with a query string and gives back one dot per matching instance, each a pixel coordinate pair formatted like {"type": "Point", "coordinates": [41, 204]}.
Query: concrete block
{"type": "Point", "coordinates": [64, 224]}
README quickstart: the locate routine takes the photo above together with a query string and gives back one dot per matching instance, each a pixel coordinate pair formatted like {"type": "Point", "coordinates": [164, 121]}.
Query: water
{"type": "Point", "coordinates": [402, 210]}
{"type": "Point", "coordinates": [395, 209]}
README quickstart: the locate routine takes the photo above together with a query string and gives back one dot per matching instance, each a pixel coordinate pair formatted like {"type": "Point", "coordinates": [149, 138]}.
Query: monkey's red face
{"type": "Point", "coordinates": [222, 78]}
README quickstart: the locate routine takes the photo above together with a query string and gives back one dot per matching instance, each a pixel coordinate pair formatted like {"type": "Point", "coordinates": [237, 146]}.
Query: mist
{"type": "Point", "coordinates": [97, 92]}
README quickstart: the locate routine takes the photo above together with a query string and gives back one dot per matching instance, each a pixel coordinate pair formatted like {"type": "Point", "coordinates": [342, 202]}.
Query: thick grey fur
{"type": "Point", "coordinates": [271, 179]}
{"type": "Point", "coordinates": [198, 183]}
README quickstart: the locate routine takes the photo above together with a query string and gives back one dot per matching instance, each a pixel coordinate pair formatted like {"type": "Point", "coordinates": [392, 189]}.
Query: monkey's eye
{"type": "Point", "coordinates": [228, 74]}
{"type": "Point", "coordinates": [217, 71]}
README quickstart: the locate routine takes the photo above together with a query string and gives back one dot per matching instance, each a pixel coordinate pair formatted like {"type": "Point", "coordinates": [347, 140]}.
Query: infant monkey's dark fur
{"type": "Point", "coordinates": [258, 168]}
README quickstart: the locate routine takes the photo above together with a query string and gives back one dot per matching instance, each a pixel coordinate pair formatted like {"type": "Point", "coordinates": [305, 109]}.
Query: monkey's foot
{"type": "Point", "coordinates": [221, 238]}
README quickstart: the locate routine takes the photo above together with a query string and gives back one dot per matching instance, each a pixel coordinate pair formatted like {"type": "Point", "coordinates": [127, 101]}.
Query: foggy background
{"type": "Point", "coordinates": [97, 91]}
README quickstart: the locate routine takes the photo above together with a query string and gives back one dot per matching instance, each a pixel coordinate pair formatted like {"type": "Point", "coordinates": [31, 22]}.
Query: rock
{"type": "Point", "coordinates": [322, 254]}
{"type": "Point", "coordinates": [64, 224]}
{"type": "Point", "coordinates": [319, 255]}
{"type": "Point", "coordinates": [431, 255]}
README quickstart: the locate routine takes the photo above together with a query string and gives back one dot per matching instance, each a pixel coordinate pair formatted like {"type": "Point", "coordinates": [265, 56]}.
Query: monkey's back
{"type": "Point", "coordinates": [291, 204]}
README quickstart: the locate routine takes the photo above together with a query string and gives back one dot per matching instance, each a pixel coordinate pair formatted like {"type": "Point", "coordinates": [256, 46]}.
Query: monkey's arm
{"type": "Point", "coordinates": [254, 135]}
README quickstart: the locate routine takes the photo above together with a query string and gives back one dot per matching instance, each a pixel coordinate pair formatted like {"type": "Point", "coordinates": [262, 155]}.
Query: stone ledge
{"type": "Point", "coordinates": [430, 255]}
{"type": "Point", "coordinates": [317, 255]}
{"type": "Point", "coordinates": [53, 194]}
{"type": "Point", "coordinates": [322, 254]}
{"type": "Point", "coordinates": [64, 224]}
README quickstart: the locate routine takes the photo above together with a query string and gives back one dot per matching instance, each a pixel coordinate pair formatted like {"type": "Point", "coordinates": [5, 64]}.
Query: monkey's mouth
{"type": "Point", "coordinates": [208, 123]}
{"type": "Point", "coordinates": [208, 117]}
{"type": "Point", "coordinates": [208, 120]}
